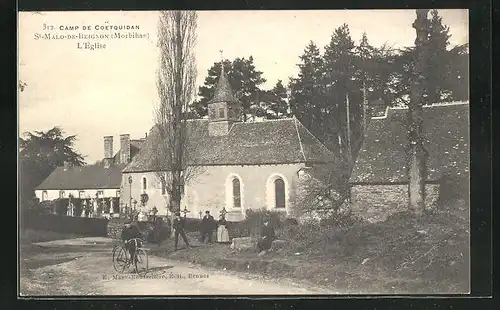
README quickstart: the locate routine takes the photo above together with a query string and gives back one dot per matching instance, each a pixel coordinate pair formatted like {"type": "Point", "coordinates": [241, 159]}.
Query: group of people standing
{"type": "Point", "coordinates": [209, 225]}
{"type": "Point", "coordinates": [207, 228]}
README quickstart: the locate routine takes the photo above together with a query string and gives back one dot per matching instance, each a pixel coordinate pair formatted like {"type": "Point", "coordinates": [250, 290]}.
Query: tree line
{"type": "Point", "coordinates": [346, 74]}
{"type": "Point", "coordinates": [327, 95]}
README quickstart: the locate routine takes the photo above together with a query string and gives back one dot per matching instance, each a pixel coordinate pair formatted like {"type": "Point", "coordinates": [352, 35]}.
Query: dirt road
{"type": "Point", "coordinates": [83, 267]}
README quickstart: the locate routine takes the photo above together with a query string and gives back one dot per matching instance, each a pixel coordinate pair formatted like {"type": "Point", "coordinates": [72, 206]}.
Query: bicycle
{"type": "Point", "coordinates": [122, 258]}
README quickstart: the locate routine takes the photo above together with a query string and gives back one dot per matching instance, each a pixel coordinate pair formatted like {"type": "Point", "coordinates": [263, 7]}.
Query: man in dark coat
{"type": "Point", "coordinates": [208, 225]}
{"type": "Point", "coordinates": [178, 226]}
{"type": "Point", "coordinates": [129, 232]}
{"type": "Point", "coordinates": [267, 236]}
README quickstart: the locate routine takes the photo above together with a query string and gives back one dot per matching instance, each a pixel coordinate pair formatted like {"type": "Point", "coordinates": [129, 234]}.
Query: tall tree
{"type": "Point", "coordinates": [446, 70]}
{"type": "Point", "coordinates": [279, 104]}
{"type": "Point", "coordinates": [274, 103]}
{"type": "Point", "coordinates": [339, 71]}
{"type": "Point", "coordinates": [365, 66]}
{"type": "Point", "coordinates": [437, 63]}
{"type": "Point", "coordinates": [416, 153]}
{"type": "Point", "coordinates": [40, 152]}
{"type": "Point", "coordinates": [458, 77]}
{"type": "Point", "coordinates": [176, 79]}
{"type": "Point", "coordinates": [245, 81]}
{"type": "Point", "coordinates": [306, 91]}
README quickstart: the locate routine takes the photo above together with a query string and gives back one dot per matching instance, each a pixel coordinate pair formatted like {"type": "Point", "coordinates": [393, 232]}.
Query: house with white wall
{"type": "Point", "coordinates": [91, 185]}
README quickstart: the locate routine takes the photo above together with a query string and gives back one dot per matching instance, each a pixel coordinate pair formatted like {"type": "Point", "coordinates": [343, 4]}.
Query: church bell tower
{"type": "Point", "coordinates": [223, 109]}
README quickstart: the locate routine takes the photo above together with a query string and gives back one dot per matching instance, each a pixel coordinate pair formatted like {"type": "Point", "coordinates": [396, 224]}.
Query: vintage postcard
{"type": "Point", "coordinates": [243, 152]}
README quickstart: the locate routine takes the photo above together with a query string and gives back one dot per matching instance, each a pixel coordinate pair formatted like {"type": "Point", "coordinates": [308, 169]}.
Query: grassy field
{"type": "Point", "coordinates": [404, 254]}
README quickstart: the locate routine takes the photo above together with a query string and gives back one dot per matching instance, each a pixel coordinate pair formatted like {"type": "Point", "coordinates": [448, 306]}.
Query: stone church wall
{"type": "Point", "coordinates": [211, 189]}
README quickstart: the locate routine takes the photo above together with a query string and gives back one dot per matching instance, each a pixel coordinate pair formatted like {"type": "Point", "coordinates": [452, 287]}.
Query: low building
{"type": "Point", "coordinates": [379, 181]}
{"type": "Point", "coordinates": [91, 186]}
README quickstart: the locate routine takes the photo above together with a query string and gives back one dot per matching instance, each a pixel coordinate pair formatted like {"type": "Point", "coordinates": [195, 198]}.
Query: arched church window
{"type": "Point", "coordinates": [221, 112]}
{"type": "Point", "coordinates": [211, 113]}
{"type": "Point", "coordinates": [236, 193]}
{"type": "Point", "coordinates": [163, 187]}
{"type": "Point", "coordinates": [279, 189]}
{"type": "Point", "coordinates": [144, 183]}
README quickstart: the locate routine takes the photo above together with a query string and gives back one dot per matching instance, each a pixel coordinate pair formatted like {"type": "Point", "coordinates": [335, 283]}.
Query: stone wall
{"type": "Point", "coordinates": [375, 203]}
{"type": "Point", "coordinates": [115, 227]}
{"type": "Point", "coordinates": [220, 128]}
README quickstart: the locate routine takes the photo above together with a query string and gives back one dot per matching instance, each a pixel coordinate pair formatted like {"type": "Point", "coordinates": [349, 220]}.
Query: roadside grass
{"type": "Point", "coordinates": [28, 249]}
{"type": "Point", "coordinates": [28, 236]}
{"type": "Point", "coordinates": [426, 254]}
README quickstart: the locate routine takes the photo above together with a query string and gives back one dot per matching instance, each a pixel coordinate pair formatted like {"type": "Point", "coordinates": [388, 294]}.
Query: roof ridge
{"type": "Point", "coordinates": [270, 120]}
{"type": "Point", "coordinates": [436, 104]}
{"type": "Point", "coordinates": [316, 138]}
{"type": "Point", "coordinates": [300, 141]}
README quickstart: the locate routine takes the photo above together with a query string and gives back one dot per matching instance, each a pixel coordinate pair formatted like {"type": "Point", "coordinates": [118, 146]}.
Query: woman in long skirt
{"type": "Point", "coordinates": [222, 232]}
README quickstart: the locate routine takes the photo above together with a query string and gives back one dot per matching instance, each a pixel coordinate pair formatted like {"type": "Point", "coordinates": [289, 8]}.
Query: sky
{"type": "Point", "coordinates": [112, 90]}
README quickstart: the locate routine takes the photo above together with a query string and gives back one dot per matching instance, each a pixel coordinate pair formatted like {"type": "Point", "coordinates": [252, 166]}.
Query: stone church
{"type": "Point", "coordinates": [237, 165]}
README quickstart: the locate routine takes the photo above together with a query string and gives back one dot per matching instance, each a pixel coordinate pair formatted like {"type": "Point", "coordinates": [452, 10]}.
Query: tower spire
{"type": "Point", "coordinates": [221, 62]}
{"type": "Point", "coordinates": [223, 109]}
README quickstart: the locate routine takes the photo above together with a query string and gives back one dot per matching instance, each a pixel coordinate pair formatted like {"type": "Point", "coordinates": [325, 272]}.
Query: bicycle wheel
{"type": "Point", "coordinates": [141, 262]}
{"type": "Point", "coordinates": [120, 259]}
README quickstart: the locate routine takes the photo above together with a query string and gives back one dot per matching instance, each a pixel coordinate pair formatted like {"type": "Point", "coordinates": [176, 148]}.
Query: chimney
{"type": "Point", "coordinates": [108, 151]}
{"type": "Point", "coordinates": [125, 148]}
{"type": "Point", "coordinates": [108, 147]}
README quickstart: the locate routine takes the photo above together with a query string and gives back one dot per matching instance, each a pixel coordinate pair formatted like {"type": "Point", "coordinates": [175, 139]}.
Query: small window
{"type": "Point", "coordinates": [236, 193]}
{"type": "Point", "coordinates": [211, 113]}
{"type": "Point", "coordinates": [81, 194]}
{"type": "Point", "coordinates": [44, 195]}
{"type": "Point", "coordinates": [118, 193]}
{"type": "Point", "coordinates": [279, 187]}
{"type": "Point", "coordinates": [221, 112]}
{"type": "Point", "coordinates": [163, 187]}
{"type": "Point", "coordinates": [100, 194]}
{"type": "Point", "coordinates": [62, 194]}
{"type": "Point", "coordinates": [144, 183]}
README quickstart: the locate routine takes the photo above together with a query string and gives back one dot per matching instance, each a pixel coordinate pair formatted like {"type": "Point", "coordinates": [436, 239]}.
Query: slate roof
{"type": "Point", "coordinates": [270, 142]}
{"type": "Point", "coordinates": [382, 157]}
{"type": "Point", "coordinates": [85, 177]}
{"type": "Point", "coordinates": [92, 176]}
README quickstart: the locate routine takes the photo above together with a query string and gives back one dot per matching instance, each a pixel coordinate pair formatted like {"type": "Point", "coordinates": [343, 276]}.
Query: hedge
{"type": "Point", "coordinates": [94, 227]}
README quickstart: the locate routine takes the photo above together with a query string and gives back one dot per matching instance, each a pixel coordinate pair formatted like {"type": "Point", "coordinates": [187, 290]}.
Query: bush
{"type": "Point", "coordinates": [64, 224]}
{"type": "Point", "coordinates": [315, 236]}
{"type": "Point", "coordinates": [33, 206]}
{"type": "Point", "coordinates": [250, 227]}
{"type": "Point", "coordinates": [342, 220]}
{"type": "Point", "coordinates": [192, 224]}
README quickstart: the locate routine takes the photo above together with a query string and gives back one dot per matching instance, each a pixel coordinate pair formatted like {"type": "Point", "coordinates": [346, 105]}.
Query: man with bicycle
{"type": "Point", "coordinates": [130, 232]}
